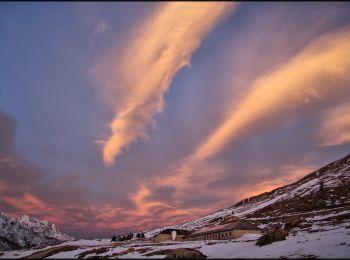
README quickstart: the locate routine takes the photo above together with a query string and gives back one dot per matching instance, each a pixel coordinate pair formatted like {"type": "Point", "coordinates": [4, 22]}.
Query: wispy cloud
{"type": "Point", "coordinates": [310, 79]}
{"type": "Point", "coordinates": [335, 128]}
{"type": "Point", "coordinates": [315, 75]}
{"type": "Point", "coordinates": [289, 173]}
{"type": "Point", "coordinates": [100, 27]}
{"type": "Point", "coordinates": [163, 45]}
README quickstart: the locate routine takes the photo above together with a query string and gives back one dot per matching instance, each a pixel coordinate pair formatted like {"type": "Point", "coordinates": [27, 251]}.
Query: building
{"type": "Point", "coordinates": [170, 234]}
{"type": "Point", "coordinates": [224, 231]}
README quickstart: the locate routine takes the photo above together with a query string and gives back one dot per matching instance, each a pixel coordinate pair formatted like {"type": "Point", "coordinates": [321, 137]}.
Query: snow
{"type": "Point", "coordinates": [331, 177]}
{"type": "Point", "coordinates": [294, 246]}
{"type": "Point", "coordinates": [305, 188]}
{"type": "Point", "coordinates": [259, 206]}
{"type": "Point", "coordinates": [330, 242]}
{"type": "Point", "coordinates": [68, 254]}
{"type": "Point", "coordinates": [328, 215]}
{"type": "Point", "coordinates": [89, 242]}
{"type": "Point", "coordinates": [327, 244]}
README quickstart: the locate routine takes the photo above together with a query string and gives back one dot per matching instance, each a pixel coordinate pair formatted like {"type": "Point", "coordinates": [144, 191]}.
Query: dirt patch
{"type": "Point", "coordinates": [144, 250]}
{"type": "Point", "coordinates": [185, 253]}
{"type": "Point", "coordinates": [98, 257]}
{"type": "Point", "coordinates": [160, 252]}
{"type": "Point", "coordinates": [309, 256]}
{"type": "Point", "coordinates": [51, 251]}
{"type": "Point", "coordinates": [93, 251]}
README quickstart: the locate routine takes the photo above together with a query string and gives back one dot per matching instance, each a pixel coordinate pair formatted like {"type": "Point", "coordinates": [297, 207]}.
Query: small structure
{"type": "Point", "coordinates": [170, 234]}
{"type": "Point", "coordinates": [224, 231]}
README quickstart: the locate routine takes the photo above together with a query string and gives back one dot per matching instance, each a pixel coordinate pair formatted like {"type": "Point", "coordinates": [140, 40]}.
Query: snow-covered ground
{"type": "Point", "coordinates": [321, 241]}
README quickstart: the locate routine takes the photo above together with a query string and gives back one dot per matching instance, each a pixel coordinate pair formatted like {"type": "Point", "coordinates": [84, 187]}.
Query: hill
{"type": "Point", "coordinates": [318, 193]}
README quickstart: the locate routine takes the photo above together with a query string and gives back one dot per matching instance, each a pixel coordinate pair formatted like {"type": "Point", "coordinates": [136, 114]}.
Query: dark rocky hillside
{"type": "Point", "coordinates": [323, 192]}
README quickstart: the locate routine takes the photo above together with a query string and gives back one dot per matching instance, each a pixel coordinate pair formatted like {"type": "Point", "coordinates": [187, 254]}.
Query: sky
{"type": "Point", "coordinates": [119, 117]}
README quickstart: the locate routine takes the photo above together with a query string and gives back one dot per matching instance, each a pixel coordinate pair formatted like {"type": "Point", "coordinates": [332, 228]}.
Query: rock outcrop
{"type": "Point", "coordinates": [272, 236]}
{"type": "Point", "coordinates": [27, 232]}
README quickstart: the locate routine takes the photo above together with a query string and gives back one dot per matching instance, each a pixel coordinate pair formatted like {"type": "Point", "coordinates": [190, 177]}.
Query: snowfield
{"type": "Point", "coordinates": [321, 241]}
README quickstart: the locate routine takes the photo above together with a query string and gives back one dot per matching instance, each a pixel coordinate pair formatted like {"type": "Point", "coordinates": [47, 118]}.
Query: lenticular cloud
{"type": "Point", "coordinates": [162, 46]}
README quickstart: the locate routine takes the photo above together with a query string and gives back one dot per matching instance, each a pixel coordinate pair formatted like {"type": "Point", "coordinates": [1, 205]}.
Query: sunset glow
{"type": "Point", "coordinates": [118, 117]}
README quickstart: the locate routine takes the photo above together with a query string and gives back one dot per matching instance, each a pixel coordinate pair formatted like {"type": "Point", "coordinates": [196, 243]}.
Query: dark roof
{"type": "Point", "coordinates": [178, 231]}
{"type": "Point", "coordinates": [237, 225]}
{"type": "Point", "coordinates": [244, 225]}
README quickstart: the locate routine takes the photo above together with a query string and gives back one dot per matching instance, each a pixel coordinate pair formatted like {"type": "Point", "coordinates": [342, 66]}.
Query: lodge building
{"type": "Point", "coordinates": [218, 229]}
{"type": "Point", "coordinates": [224, 231]}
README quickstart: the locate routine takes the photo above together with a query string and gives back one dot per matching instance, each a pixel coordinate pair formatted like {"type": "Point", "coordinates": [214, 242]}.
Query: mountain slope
{"type": "Point", "coordinates": [319, 202]}
{"type": "Point", "coordinates": [27, 232]}
{"type": "Point", "coordinates": [324, 190]}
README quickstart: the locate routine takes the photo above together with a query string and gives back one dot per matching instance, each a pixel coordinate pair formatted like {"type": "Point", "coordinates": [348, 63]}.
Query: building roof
{"type": "Point", "coordinates": [178, 231]}
{"type": "Point", "coordinates": [237, 225]}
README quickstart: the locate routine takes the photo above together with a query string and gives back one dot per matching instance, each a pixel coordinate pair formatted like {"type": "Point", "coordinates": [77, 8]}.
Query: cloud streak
{"type": "Point", "coordinates": [317, 74]}
{"type": "Point", "coordinates": [306, 82]}
{"type": "Point", "coordinates": [163, 45]}
{"type": "Point", "coordinates": [335, 129]}
{"type": "Point", "coordinates": [100, 27]}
